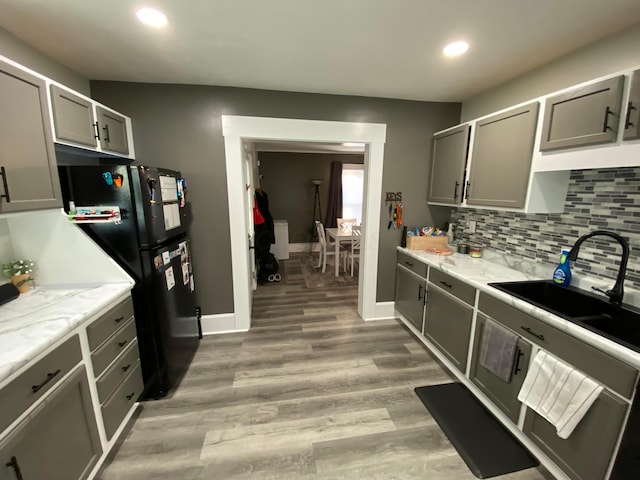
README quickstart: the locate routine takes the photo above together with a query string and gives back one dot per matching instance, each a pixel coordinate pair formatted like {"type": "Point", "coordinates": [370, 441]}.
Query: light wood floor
{"type": "Point", "coordinates": [310, 392]}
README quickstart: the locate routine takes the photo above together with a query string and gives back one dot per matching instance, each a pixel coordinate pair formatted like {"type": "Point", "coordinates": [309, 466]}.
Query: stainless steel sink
{"type": "Point", "coordinates": [618, 323]}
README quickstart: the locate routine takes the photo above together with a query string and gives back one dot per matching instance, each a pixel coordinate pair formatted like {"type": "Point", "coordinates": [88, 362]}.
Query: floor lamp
{"type": "Point", "coordinates": [316, 208]}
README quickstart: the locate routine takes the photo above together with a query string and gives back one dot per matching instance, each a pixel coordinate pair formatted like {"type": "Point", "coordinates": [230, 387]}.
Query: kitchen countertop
{"type": "Point", "coordinates": [39, 318]}
{"type": "Point", "coordinates": [495, 267]}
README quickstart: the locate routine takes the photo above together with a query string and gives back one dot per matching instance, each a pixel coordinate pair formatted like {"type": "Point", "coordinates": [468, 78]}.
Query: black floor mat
{"type": "Point", "coordinates": [487, 447]}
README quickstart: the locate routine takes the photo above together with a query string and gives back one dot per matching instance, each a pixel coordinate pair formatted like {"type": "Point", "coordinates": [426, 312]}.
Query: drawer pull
{"type": "Point", "coordinates": [6, 195]}
{"type": "Point", "coordinates": [531, 332]}
{"type": "Point", "coordinates": [627, 122]}
{"type": "Point", "coordinates": [130, 396]}
{"type": "Point", "coordinates": [119, 319]}
{"type": "Point", "coordinates": [455, 190]}
{"type": "Point", "coordinates": [97, 135]}
{"type": "Point", "coordinates": [448, 285]}
{"type": "Point", "coordinates": [420, 287]}
{"type": "Point", "coordinates": [107, 139]}
{"type": "Point", "coordinates": [517, 366]}
{"type": "Point", "coordinates": [606, 126]}
{"type": "Point", "coordinates": [408, 263]}
{"type": "Point", "coordinates": [124, 369]}
{"type": "Point", "coordinates": [122, 343]}
{"type": "Point", "coordinates": [13, 463]}
{"type": "Point", "coordinates": [50, 376]}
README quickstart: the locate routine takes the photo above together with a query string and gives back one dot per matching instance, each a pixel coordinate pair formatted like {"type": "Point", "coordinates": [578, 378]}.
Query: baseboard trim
{"type": "Point", "coordinates": [383, 311]}
{"type": "Point", "coordinates": [218, 324]}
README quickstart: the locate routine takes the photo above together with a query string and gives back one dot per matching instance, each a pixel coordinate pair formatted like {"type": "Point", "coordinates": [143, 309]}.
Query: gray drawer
{"type": "Point", "coordinates": [108, 382]}
{"type": "Point", "coordinates": [23, 391]}
{"type": "Point", "coordinates": [116, 407]}
{"type": "Point", "coordinates": [463, 291]}
{"type": "Point", "coordinates": [104, 327]}
{"type": "Point", "coordinates": [601, 366]}
{"type": "Point", "coordinates": [412, 264]}
{"type": "Point", "coordinates": [104, 355]}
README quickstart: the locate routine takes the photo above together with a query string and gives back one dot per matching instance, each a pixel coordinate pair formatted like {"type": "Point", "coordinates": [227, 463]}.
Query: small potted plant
{"type": "Point", "coordinates": [19, 272]}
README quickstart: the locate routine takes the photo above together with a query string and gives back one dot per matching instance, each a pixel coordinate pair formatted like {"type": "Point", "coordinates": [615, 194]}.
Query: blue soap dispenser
{"type": "Point", "coordinates": [562, 273]}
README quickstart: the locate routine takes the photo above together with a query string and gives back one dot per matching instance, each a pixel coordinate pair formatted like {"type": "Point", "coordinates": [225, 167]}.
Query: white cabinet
{"type": "Point", "coordinates": [281, 232]}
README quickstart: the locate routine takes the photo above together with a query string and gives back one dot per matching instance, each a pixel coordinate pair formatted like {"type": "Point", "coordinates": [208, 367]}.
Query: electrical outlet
{"type": "Point", "coordinates": [471, 226]}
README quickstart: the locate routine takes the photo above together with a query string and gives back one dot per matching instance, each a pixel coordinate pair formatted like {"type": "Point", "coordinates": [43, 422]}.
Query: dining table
{"type": "Point", "coordinates": [341, 235]}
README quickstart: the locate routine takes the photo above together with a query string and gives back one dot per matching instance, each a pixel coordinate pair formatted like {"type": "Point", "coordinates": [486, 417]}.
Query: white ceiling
{"type": "Point", "coordinates": [381, 48]}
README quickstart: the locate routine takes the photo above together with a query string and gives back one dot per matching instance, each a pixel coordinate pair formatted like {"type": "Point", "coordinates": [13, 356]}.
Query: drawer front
{"type": "Point", "coordinates": [108, 382]}
{"type": "Point", "coordinates": [22, 392]}
{"type": "Point", "coordinates": [602, 367]}
{"type": "Point", "coordinates": [412, 264]}
{"type": "Point", "coordinates": [463, 291]}
{"type": "Point", "coordinates": [102, 357]}
{"type": "Point", "coordinates": [116, 407]}
{"type": "Point", "coordinates": [106, 325]}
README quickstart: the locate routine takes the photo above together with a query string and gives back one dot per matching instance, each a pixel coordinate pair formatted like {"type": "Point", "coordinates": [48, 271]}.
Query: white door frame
{"type": "Point", "coordinates": [238, 128]}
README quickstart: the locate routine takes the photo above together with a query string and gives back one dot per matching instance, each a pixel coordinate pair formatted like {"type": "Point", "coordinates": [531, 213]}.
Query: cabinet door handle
{"type": "Point", "coordinates": [466, 190]}
{"type": "Point", "coordinates": [408, 263]}
{"type": "Point", "coordinates": [97, 127]}
{"type": "Point", "coordinates": [122, 343]}
{"type": "Point", "coordinates": [50, 376]}
{"type": "Point", "coordinates": [531, 332]}
{"type": "Point", "coordinates": [448, 285]}
{"type": "Point", "coordinates": [627, 121]}
{"type": "Point", "coordinates": [106, 131]}
{"type": "Point", "coordinates": [606, 126]}
{"type": "Point", "coordinates": [455, 190]}
{"type": "Point", "coordinates": [517, 368]}
{"type": "Point", "coordinates": [119, 319]}
{"type": "Point", "coordinates": [130, 396]}
{"type": "Point", "coordinates": [420, 287]}
{"type": "Point", "coordinates": [13, 463]}
{"type": "Point", "coordinates": [124, 369]}
{"type": "Point", "coordinates": [6, 195]}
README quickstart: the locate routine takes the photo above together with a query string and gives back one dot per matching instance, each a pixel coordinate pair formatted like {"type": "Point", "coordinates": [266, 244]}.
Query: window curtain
{"type": "Point", "coordinates": [334, 205]}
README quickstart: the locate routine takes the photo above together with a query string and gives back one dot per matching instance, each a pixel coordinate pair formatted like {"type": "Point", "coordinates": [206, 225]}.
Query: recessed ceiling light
{"type": "Point", "coordinates": [456, 48]}
{"type": "Point", "coordinates": [151, 16]}
{"type": "Point", "coordinates": [353, 144]}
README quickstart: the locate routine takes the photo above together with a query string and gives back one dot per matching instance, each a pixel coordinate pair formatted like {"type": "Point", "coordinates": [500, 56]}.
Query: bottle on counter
{"type": "Point", "coordinates": [562, 273]}
{"type": "Point", "coordinates": [450, 234]}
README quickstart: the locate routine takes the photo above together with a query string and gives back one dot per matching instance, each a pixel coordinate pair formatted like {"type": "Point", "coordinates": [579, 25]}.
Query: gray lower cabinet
{"type": "Point", "coordinates": [59, 441]}
{"type": "Point", "coordinates": [112, 131]}
{"type": "Point", "coordinates": [447, 324]}
{"type": "Point", "coordinates": [501, 158]}
{"type": "Point", "coordinates": [447, 168]}
{"type": "Point", "coordinates": [586, 454]}
{"type": "Point", "coordinates": [28, 168]}
{"type": "Point", "coordinates": [73, 119]}
{"type": "Point", "coordinates": [410, 295]}
{"type": "Point", "coordinates": [503, 395]}
{"type": "Point", "coordinates": [585, 115]}
{"type": "Point", "coordinates": [632, 114]}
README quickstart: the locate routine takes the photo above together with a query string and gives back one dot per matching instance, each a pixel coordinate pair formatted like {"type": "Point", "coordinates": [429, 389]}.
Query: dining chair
{"type": "Point", "coordinates": [345, 224]}
{"type": "Point", "coordinates": [326, 247]}
{"type": "Point", "coordinates": [353, 249]}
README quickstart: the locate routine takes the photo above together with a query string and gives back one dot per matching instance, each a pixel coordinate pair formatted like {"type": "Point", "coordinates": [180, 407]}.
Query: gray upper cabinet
{"type": "Point", "coordinates": [447, 171]}
{"type": "Point", "coordinates": [632, 117]}
{"type": "Point", "coordinates": [112, 131]}
{"type": "Point", "coordinates": [27, 160]}
{"type": "Point", "coordinates": [73, 117]}
{"type": "Point", "coordinates": [59, 441]}
{"type": "Point", "coordinates": [585, 115]}
{"type": "Point", "coordinates": [501, 158]}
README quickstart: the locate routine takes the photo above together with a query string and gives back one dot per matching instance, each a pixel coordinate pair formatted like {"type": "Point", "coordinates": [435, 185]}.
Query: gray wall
{"type": "Point", "coordinates": [287, 180]}
{"type": "Point", "coordinates": [18, 51]}
{"type": "Point", "coordinates": [614, 53]}
{"type": "Point", "coordinates": [179, 126]}
{"type": "Point", "coordinates": [606, 199]}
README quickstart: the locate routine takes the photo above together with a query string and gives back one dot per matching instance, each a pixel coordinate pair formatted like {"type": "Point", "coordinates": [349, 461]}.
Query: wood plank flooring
{"type": "Point", "coordinates": [310, 392]}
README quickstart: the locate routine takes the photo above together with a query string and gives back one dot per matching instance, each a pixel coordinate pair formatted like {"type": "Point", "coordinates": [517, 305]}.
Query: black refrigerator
{"type": "Point", "coordinates": [149, 240]}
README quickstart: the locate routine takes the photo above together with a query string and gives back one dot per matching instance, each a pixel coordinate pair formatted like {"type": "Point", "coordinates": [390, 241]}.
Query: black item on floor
{"type": "Point", "coordinates": [484, 444]}
{"type": "Point", "coordinates": [267, 265]}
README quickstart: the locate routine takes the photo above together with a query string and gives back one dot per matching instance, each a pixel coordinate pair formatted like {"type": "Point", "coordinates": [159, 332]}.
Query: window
{"type": "Point", "coordinates": [352, 190]}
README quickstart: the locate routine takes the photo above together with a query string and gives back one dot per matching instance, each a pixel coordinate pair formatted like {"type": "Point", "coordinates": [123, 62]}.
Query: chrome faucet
{"type": "Point", "coordinates": [617, 292]}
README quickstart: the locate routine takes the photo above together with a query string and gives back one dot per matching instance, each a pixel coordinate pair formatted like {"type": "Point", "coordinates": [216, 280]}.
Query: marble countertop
{"type": "Point", "coordinates": [39, 318]}
{"type": "Point", "coordinates": [494, 267]}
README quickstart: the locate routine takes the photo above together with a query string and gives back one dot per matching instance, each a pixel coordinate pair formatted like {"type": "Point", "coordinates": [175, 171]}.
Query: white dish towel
{"type": "Point", "coordinates": [558, 392]}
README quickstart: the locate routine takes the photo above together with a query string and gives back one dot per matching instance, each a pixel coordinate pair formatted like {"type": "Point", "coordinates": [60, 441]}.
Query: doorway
{"type": "Point", "coordinates": [237, 129]}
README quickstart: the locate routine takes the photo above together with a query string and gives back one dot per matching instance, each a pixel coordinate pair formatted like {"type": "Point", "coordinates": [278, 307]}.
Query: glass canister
{"type": "Point", "coordinates": [475, 252]}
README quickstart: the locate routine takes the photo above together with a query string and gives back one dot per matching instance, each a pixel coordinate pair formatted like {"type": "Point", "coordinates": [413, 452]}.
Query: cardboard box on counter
{"type": "Point", "coordinates": [422, 243]}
